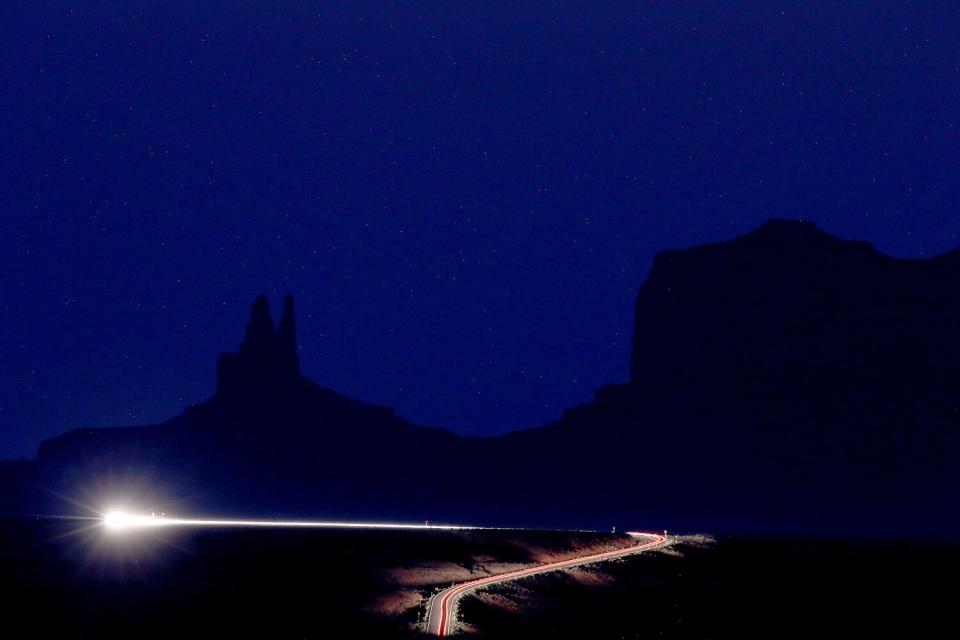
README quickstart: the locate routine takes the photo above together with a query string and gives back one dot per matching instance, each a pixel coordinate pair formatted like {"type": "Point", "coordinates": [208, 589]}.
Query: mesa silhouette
{"type": "Point", "coordinates": [786, 381]}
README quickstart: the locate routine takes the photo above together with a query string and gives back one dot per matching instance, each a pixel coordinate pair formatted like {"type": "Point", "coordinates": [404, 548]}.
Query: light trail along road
{"type": "Point", "coordinates": [442, 608]}
{"type": "Point", "coordinates": [122, 521]}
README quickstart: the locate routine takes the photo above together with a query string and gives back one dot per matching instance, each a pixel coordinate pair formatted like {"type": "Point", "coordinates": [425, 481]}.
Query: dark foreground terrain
{"type": "Point", "coordinates": [61, 579]}
{"type": "Point", "coordinates": [736, 589]}
{"type": "Point", "coordinates": [337, 584]}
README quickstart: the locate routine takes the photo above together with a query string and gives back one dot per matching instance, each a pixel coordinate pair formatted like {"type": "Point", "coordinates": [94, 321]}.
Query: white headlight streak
{"type": "Point", "coordinates": [120, 521]}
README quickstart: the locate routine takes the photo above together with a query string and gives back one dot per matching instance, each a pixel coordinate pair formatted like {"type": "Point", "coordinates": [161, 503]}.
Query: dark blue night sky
{"type": "Point", "coordinates": [463, 197]}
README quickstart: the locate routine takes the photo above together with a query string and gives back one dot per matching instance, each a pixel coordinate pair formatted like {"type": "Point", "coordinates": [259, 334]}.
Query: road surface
{"type": "Point", "coordinates": [442, 608]}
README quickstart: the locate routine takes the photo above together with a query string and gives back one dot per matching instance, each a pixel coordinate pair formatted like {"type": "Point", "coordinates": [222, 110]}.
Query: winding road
{"type": "Point", "coordinates": [442, 608]}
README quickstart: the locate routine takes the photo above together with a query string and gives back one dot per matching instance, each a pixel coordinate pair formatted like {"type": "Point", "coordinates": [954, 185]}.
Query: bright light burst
{"type": "Point", "coordinates": [121, 520]}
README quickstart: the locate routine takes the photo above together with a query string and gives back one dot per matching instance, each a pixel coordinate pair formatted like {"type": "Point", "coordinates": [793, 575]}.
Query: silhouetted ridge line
{"type": "Point", "coordinates": [286, 339]}
{"type": "Point", "coordinates": [266, 362]}
{"type": "Point", "coordinates": [783, 381]}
